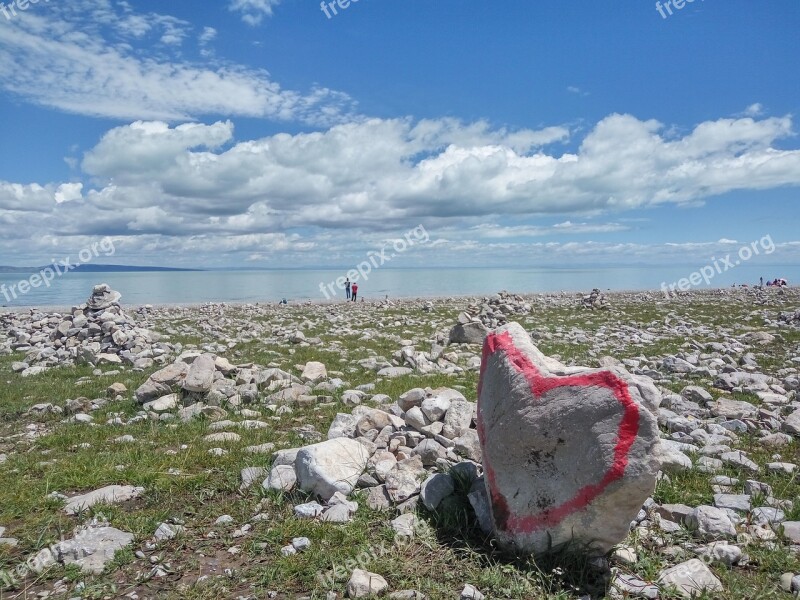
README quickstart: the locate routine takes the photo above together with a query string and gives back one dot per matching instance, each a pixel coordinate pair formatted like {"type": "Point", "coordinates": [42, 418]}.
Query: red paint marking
{"type": "Point", "coordinates": [626, 434]}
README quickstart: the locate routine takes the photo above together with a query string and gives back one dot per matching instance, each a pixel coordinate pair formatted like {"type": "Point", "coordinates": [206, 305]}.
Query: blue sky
{"type": "Point", "coordinates": [263, 133]}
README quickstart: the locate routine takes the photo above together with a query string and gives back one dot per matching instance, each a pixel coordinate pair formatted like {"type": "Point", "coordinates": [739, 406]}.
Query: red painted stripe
{"type": "Point", "coordinates": [539, 385]}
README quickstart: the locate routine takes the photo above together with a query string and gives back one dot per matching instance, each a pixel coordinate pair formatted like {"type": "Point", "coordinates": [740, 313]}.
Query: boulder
{"type": "Point", "coordinates": [468, 333]}
{"type": "Point", "coordinates": [314, 371]}
{"type": "Point", "coordinates": [330, 466]}
{"type": "Point", "coordinates": [569, 454]}
{"type": "Point", "coordinates": [201, 374]}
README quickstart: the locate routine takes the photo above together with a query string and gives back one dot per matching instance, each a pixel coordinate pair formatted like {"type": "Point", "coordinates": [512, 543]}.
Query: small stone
{"type": "Point", "coordinates": [363, 584]}
{"type": "Point", "coordinates": [309, 510]}
{"type": "Point", "coordinates": [301, 543]}
{"type": "Point", "coordinates": [690, 578]}
{"type": "Point", "coordinates": [167, 531]}
{"type": "Point", "coordinates": [470, 592]}
{"type": "Point", "coordinates": [405, 525]}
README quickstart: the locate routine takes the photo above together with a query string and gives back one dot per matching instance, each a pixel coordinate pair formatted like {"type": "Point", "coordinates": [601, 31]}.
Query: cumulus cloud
{"type": "Point", "coordinates": [484, 189]}
{"type": "Point", "coordinates": [401, 170]}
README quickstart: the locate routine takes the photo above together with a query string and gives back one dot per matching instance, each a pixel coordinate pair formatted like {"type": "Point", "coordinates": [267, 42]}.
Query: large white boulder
{"type": "Point", "coordinates": [331, 466]}
{"type": "Point", "coordinates": [570, 454]}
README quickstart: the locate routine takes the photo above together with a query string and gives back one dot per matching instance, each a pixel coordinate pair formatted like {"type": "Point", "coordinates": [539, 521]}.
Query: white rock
{"type": "Point", "coordinates": [569, 454]}
{"type": "Point", "coordinates": [690, 578]}
{"type": "Point", "coordinates": [363, 584]}
{"type": "Point", "coordinates": [111, 494]}
{"type": "Point", "coordinates": [710, 522]}
{"type": "Point", "coordinates": [281, 478]}
{"type": "Point", "coordinates": [201, 374]}
{"type": "Point", "coordinates": [314, 371]}
{"type": "Point", "coordinates": [331, 466]}
{"type": "Point", "coordinates": [167, 531]}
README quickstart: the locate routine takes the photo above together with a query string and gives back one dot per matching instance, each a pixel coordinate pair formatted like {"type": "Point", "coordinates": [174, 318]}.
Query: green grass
{"type": "Point", "coordinates": [183, 482]}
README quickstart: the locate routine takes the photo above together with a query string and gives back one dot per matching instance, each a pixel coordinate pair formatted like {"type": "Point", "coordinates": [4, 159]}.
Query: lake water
{"type": "Point", "coordinates": [297, 285]}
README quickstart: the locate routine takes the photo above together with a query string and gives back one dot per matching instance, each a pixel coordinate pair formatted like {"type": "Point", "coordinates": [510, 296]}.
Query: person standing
{"type": "Point", "coordinates": [347, 287]}
{"type": "Point", "coordinates": [354, 289]}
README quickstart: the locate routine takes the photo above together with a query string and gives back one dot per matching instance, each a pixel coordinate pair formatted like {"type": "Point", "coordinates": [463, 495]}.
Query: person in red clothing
{"type": "Point", "coordinates": [354, 290]}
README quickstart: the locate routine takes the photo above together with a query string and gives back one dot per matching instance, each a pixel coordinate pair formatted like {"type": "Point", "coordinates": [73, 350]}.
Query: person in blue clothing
{"type": "Point", "coordinates": [347, 287]}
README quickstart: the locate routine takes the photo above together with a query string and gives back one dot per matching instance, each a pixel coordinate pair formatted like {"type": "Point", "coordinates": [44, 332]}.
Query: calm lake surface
{"type": "Point", "coordinates": [298, 285]}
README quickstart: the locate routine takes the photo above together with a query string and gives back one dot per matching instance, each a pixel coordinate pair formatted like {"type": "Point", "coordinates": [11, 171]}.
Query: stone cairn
{"type": "Point", "coordinates": [95, 332]}
{"type": "Point", "coordinates": [474, 323]}
{"type": "Point", "coordinates": [594, 301]}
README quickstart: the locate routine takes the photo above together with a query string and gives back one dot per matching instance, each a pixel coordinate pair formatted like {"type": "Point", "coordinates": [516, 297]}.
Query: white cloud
{"type": "Point", "coordinates": [398, 170]}
{"type": "Point", "coordinates": [565, 228]}
{"type": "Point", "coordinates": [253, 11]}
{"type": "Point", "coordinates": [208, 35]}
{"type": "Point", "coordinates": [754, 110]}
{"type": "Point", "coordinates": [68, 192]}
{"type": "Point", "coordinates": [196, 193]}
{"type": "Point", "coordinates": [67, 59]}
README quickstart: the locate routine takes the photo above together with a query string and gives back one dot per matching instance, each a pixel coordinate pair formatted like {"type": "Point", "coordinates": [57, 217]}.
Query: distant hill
{"type": "Point", "coordinates": [90, 268]}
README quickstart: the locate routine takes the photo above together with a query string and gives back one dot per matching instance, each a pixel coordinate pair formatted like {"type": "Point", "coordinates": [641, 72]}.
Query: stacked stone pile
{"type": "Point", "coordinates": [475, 322]}
{"type": "Point", "coordinates": [594, 301]}
{"type": "Point", "coordinates": [96, 332]}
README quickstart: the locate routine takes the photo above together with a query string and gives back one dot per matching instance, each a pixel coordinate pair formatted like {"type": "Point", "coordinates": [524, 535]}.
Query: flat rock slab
{"type": "Point", "coordinates": [570, 454]}
{"type": "Point", "coordinates": [690, 579]}
{"type": "Point", "coordinates": [391, 372]}
{"type": "Point", "coordinates": [93, 548]}
{"type": "Point", "coordinates": [111, 494]}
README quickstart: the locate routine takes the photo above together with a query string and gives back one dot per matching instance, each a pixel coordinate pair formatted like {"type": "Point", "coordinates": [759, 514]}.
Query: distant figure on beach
{"type": "Point", "coordinates": [354, 289]}
{"type": "Point", "coordinates": [283, 301]}
{"type": "Point", "coordinates": [347, 287]}
{"type": "Point", "coordinates": [761, 282]}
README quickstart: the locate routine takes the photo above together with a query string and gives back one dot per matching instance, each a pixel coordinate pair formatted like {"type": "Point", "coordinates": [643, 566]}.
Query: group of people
{"type": "Point", "coordinates": [775, 283]}
{"type": "Point", "coordinates": [351, 289]}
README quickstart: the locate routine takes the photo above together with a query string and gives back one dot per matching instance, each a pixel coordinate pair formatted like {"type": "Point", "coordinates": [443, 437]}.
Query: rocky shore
{"type": "Point", "coordinates": [314, 423]}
